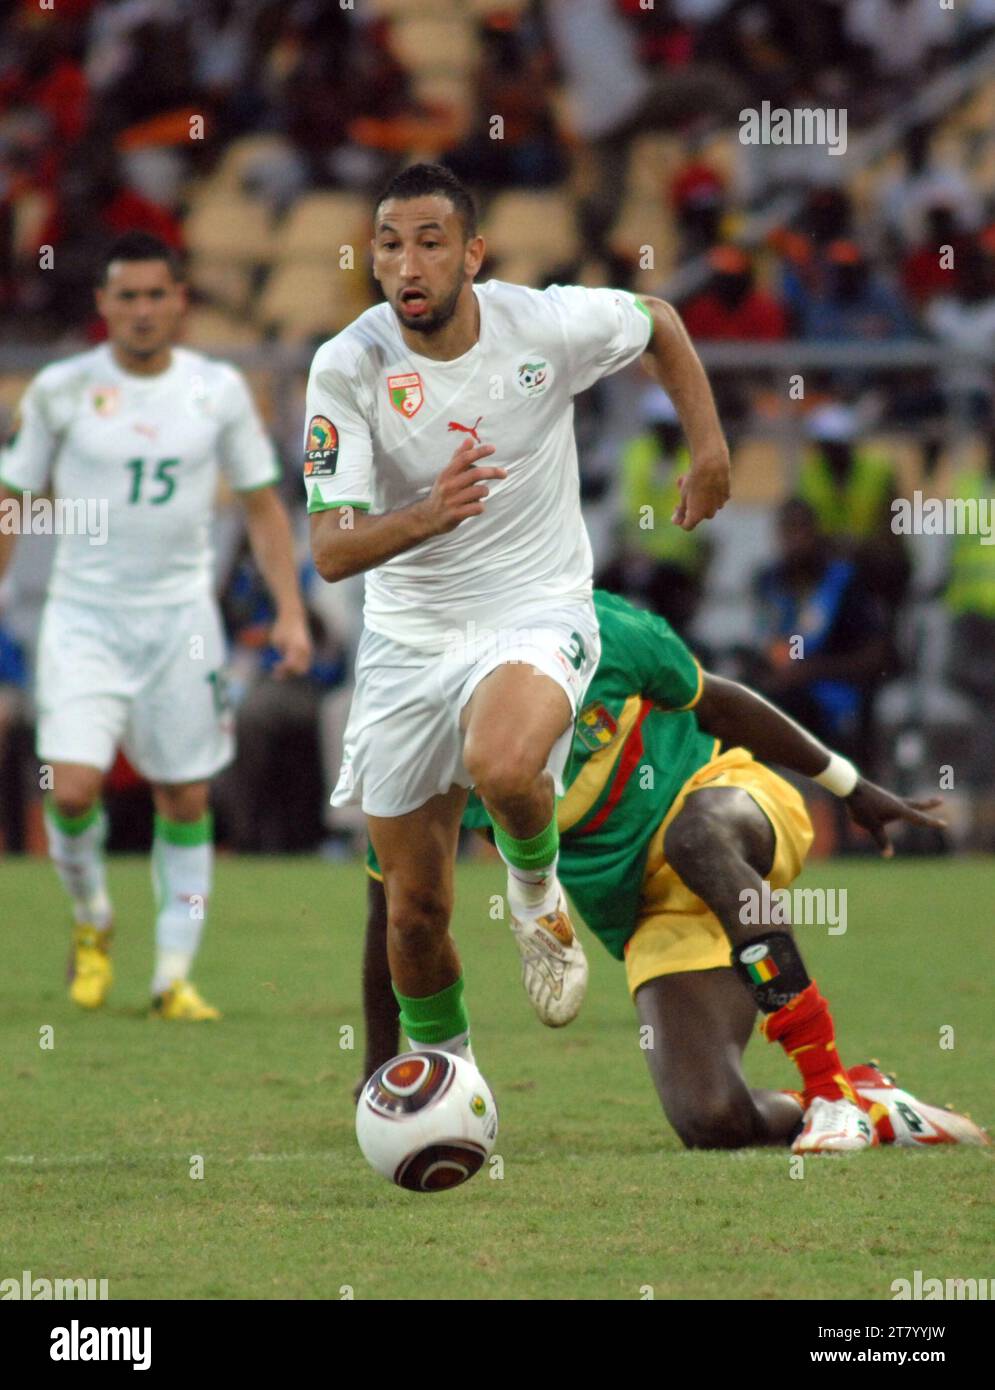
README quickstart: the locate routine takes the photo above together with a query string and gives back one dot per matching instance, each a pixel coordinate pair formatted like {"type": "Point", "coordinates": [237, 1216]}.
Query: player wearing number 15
{"type": "Point", "coordinates": [131, 646]}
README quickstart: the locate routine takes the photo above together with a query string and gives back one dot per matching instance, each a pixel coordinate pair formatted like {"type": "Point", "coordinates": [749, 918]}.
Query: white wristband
{"type": "Point", "coordinates": [839, 776]}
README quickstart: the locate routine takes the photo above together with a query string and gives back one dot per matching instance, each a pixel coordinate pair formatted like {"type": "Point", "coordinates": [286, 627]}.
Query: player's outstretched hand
{"type": "Point", "coordinates": [459, 491]}
{"type": "Point", "coordinates": [873, 808]}
{"type": "Point", "coordinates": [704, 491]}
{"type": "Point", "coordinates": [291, 638]}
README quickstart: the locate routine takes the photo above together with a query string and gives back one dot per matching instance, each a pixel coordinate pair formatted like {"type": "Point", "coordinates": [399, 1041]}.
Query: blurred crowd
{"type": "Point", "coordinates": [618, 128]}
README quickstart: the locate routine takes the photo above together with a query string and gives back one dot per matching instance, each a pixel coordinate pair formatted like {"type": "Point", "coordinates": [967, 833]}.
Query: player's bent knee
{"type": "Point", "coordinates": [503, 774]}
{"type": "Point", "coordinates": [715, 1122]}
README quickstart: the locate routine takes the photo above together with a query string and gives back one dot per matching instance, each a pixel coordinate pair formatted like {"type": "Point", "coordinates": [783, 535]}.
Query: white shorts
{"type": "Point", "coordinates": [403, 743]}
{"type": "Point", "coordinates": [149, 680]}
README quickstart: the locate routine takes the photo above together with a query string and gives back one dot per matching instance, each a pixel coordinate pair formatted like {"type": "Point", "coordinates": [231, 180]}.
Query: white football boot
{"type": "Point", "coordinates": [554, 966]}
{"type": "Point", "coordinates": [835, 1126]}
{"type": "Point", "coordinates": [909, 1122]}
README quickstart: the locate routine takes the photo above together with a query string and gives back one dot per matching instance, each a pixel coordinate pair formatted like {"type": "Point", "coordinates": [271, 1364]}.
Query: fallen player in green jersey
{"type": "Point", "coordinates": [674, 844]}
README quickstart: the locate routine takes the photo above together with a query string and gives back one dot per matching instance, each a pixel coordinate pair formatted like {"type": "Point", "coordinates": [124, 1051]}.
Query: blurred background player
{"type": "Point", "coordinates": [480, 631]}
{"type": "Point", "coordinates": [131, 647]}
{"type": "Point", "coordinates": [661, 866]}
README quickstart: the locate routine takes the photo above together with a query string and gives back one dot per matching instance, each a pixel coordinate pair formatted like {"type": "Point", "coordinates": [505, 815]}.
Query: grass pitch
{"type": "Point", "coordinates": [597, 1198]}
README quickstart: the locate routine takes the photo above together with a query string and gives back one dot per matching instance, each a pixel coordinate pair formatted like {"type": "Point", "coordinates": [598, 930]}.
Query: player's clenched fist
{"type": "Point", "coordinates": [459, 491]}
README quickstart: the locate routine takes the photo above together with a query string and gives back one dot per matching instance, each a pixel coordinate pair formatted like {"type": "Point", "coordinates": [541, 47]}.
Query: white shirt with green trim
{"type": "Point", "coordinates": [145, 454]}
{"type": "Point", "coordinates": [383, 421]}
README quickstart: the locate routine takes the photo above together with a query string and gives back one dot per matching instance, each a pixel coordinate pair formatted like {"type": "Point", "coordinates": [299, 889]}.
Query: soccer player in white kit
{"type": "Point", "coordinates": [131, 649]}
{"type": "Point", "coordinates": [479, 629]}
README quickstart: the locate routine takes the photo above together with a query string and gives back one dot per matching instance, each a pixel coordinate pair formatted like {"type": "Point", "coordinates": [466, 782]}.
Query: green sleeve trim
{"type": "Point", "coordinates": [72, 825]}
{"type": "Point", "coordinates": [649, 314]}
{"type": "Point", "coordinates": [335, 506]}
{"type": "Point", "coordinates": [12, 487]}
{"type": "Point", "coordinates": [186, 833]}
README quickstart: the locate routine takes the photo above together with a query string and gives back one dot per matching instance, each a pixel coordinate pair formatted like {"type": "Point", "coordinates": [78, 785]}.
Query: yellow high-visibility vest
{"type": "Point", "coordinates": [858, 507]}
{"type": "Point", "coordinates": [649, 496]}
{"type": "Point", "coordinates": [972, 566]}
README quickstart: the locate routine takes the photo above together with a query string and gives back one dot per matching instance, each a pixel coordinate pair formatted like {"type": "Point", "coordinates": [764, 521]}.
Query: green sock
{"type": "Point", "coordinates": [435, 1018]}
{"type": "Point", "coordinates": [530, 856]}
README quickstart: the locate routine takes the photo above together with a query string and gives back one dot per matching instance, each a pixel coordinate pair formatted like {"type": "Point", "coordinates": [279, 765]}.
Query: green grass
{"type": "Point", "coordinates": [597, 1200]}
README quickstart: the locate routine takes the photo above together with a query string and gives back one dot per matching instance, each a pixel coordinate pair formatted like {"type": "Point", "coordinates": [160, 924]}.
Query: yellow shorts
{"type": "Point", "coordinates": [677, 932]}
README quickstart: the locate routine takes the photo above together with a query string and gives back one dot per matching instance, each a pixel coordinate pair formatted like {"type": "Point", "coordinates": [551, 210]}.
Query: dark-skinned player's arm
{"type": "Point", "coordinates": [742, 718]}
{"type": "Point", "coordinates": [672, 361]}
{"type": "Point", "coordinates": [346, 540]}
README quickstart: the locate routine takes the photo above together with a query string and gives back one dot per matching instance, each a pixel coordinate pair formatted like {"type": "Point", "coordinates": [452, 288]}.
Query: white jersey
{"type": "Point", "coordinates": [146, 449]}
{"type": "Point", "coordinates": [383, 421]}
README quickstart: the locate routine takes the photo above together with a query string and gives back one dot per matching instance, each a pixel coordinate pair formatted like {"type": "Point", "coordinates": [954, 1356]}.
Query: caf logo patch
{"type": "Point", "coordinates": [321, 450]}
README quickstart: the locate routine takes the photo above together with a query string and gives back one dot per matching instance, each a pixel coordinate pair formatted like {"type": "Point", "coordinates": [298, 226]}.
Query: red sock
{"type": "Point", "coordinates": [804, 1028]}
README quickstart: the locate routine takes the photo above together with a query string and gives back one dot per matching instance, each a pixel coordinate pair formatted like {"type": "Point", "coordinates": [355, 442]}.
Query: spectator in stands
{"type": "Point", "coordinates": [15, 741]}
{"type": "Point", "coordinates": [930, 181]}
{"type": "Point", "coordinates": [731, 307]}
{"type": "Point", "coordinates": [970, 599]}
{"type": "Point", "coordinates": [855, 305]}
{"type": "Point", "coordinates": [658, 564]}
{"type": "Point", "coordinates": [698, 198]}
{"type": "Point", "coordinates": [613, 98]}
{"type": "Point", "coordinates": [964, 322]}
{"type": "Point", "coordinates": [824, 642]}
{"type": "Point", "coordinates": [278, 727]}
{"type": "Point", "coordinates": [850, 489]}
{"type": "Point", "coordinates": [929, 268]}
{"type": "Point", "coordinates": [513, 81]}
{"type": "Point", "coordinates": [903, 38]}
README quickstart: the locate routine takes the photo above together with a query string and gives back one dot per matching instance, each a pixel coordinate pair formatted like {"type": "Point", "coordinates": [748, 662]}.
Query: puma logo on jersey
{"type": "Point", "coordinates": [467, 429]}
{"type": "Point", "coordinates": [149, 431]}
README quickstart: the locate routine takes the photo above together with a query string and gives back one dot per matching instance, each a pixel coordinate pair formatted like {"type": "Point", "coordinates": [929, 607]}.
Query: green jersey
{"type": "Point", "coordinates": [636, 743]}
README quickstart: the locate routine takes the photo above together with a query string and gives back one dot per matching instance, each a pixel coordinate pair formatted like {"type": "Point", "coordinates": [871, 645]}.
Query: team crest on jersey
{"type": "Point", "coordinates": [105, 399]}
{"type": "Point", "coordinates": [596, 727]}
{"type": "Point", "coordinates": [533, 377]}
{"type": "Point", "coordinates": [321, 450]}
{"type": "Point", "coordinates": [406, 393]}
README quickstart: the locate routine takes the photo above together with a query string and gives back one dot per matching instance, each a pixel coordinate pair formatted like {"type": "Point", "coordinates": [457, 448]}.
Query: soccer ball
{"type": "Point", "coordinates": [426, 1120]}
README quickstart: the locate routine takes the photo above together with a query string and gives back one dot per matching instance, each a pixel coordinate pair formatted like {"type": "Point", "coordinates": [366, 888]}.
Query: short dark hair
{"type": "Point", "coordinates": [421, 180]}
{"type": "Point", "coordinates": [140, 246]}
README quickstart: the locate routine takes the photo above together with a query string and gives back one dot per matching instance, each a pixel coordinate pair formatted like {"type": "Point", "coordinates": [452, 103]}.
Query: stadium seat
{"type": "Point", "coordinates": [540, 223]}
{"type": "Point", "coordinates": [239, 157]}
{"type": "Point", "coordinates": [319, 223]}
{"type": "Point", "coordinates": [221, 282]}
{"type": "Point", "coordinates": [212, 330]}
{"type": "Point", "coordinates": [654, 159]}
{"type": "Point", "coordinates": [227, 227]}
{"type": "Point", "coordinates": [645, 222]}
{"type": "Point", "coordinates": [436, 44]}
{"type": "Point", "coordinates": [302, 300]}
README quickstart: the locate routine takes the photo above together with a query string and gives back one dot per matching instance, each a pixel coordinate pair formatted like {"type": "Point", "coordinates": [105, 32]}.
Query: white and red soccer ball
{"type": "Point", "coordinates": [426, 1120]}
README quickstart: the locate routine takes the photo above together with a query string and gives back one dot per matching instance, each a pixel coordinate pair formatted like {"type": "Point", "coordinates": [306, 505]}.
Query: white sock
{"type": "Point", "coordinates": [181, 875]}
{"type": "Point", "coordinates": [533, 892]}
{"type": "Point", "coordinates": [459, 1046]}
{"type": "Point", "coordinates": [78, 855]}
